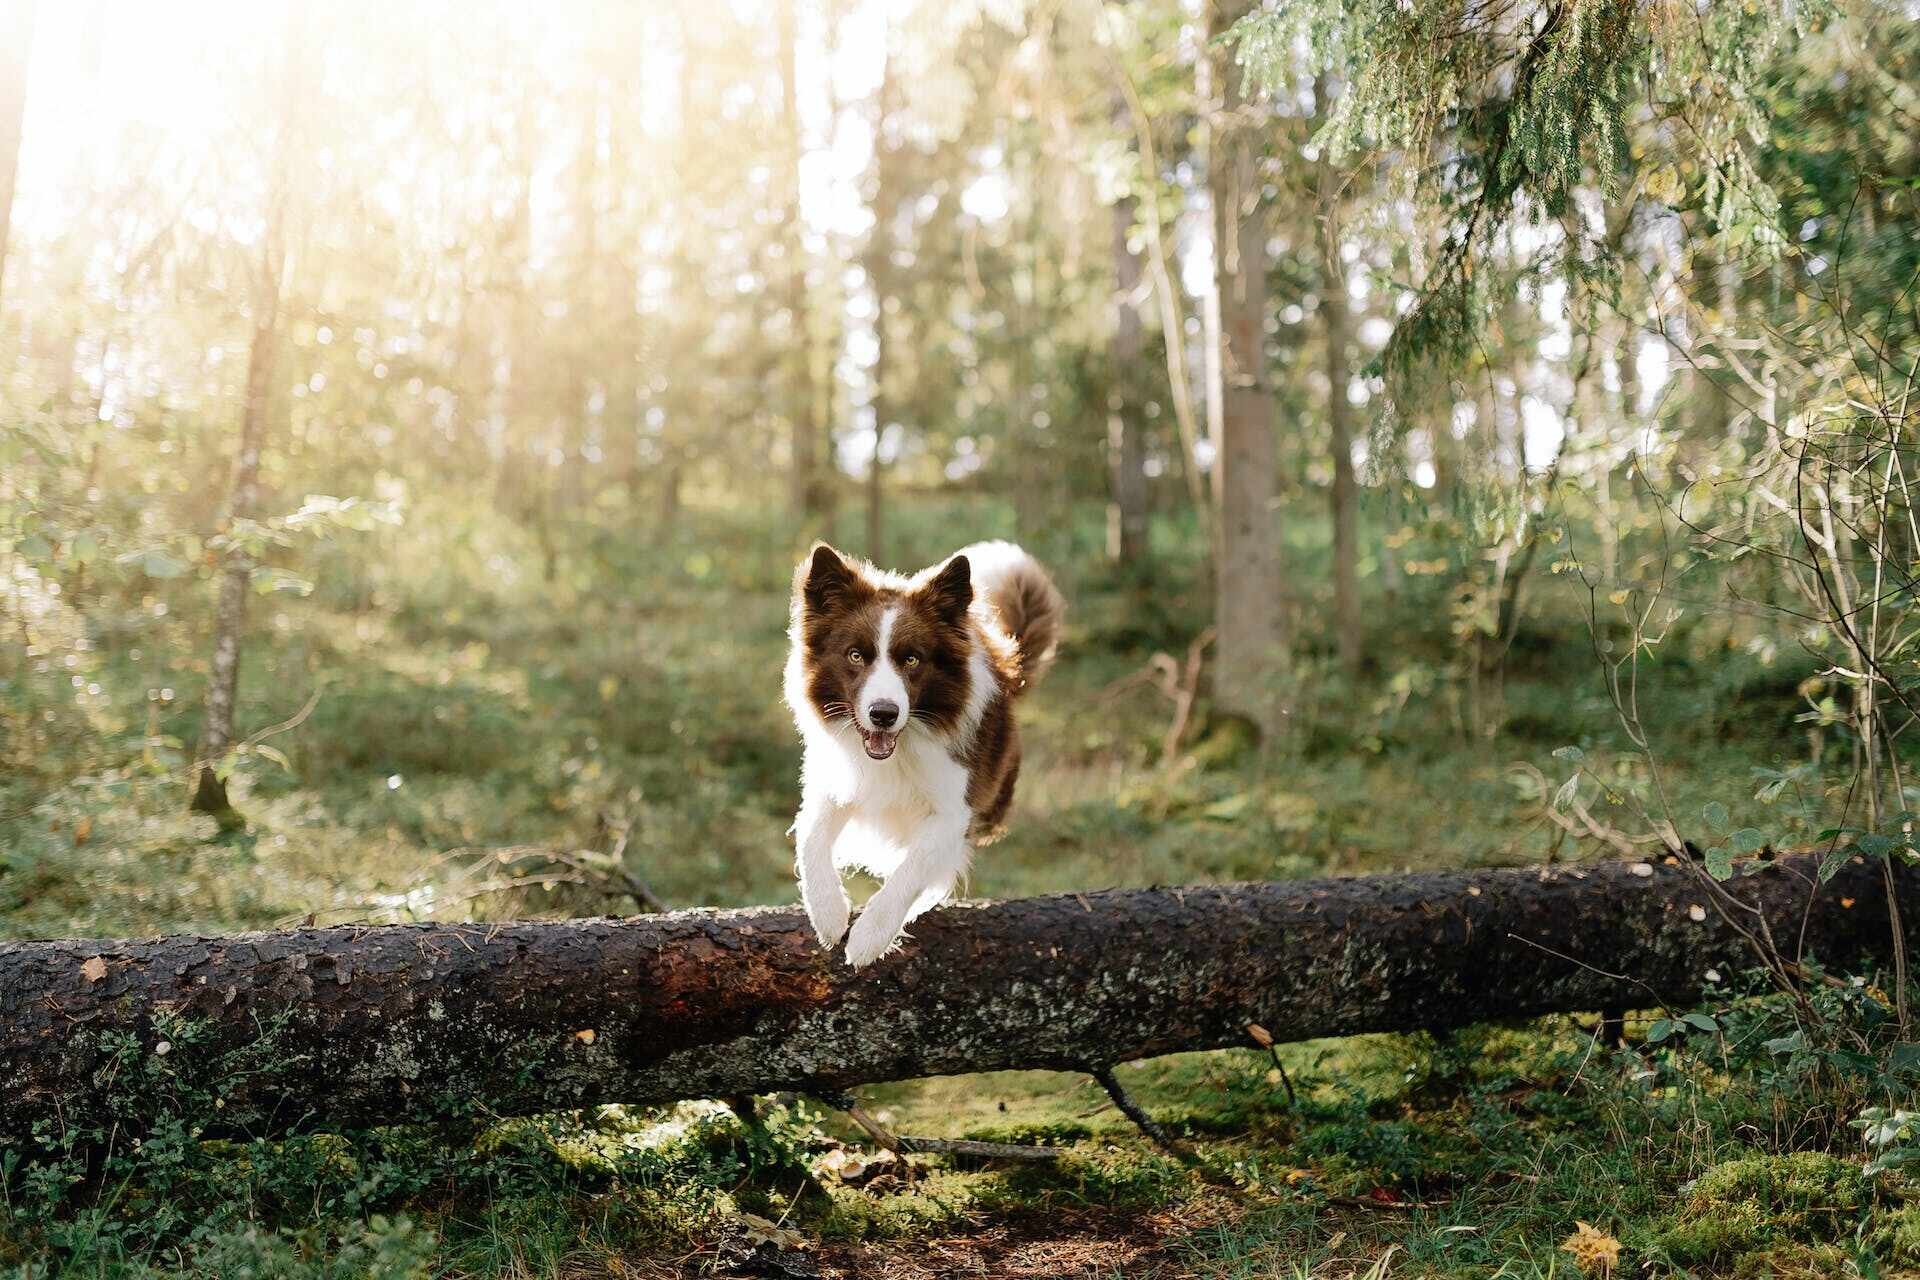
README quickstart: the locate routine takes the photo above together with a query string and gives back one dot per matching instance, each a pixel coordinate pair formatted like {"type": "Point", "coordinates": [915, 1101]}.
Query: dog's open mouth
{"type": "Point", "coordinates": [879, 745]}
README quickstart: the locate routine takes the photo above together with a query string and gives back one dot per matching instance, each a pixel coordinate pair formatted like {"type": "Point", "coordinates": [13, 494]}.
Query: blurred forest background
{"type": "Point", "coordinates": [414, 418]}
{"type": "Point", "coordinates": [1464, 434]}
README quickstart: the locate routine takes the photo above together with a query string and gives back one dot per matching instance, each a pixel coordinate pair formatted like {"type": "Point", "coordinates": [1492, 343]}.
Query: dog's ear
{"type": "Point", "coordinates": [825, 580]}
{"type": "Point", "coordinates": [950, 593]}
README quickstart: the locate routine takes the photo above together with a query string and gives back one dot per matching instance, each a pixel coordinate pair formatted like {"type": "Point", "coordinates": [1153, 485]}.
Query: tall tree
{"type": "Point", "coordinates": [1126, 456]}
{"type": "Point", "coordinates": [266, 286]}
{"type": "Point", "coordinates": [1248, 608]}
{"type": "Point", "coordinates": [880, 278]}
{"type": "Point", "coordinates": [1337, 324]}
{"type": "Point", "coordinates": [802, 402]}
{"type": "Point", "coordinates": [16, 41]}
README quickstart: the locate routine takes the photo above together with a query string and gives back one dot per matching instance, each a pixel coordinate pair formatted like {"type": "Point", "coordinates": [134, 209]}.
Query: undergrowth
{"type": "Point", "coordinates": [628, 710]}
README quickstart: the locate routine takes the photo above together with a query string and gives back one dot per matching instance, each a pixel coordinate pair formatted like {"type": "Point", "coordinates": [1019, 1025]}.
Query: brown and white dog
{"type": "Point", "coordinates": [903, 691]}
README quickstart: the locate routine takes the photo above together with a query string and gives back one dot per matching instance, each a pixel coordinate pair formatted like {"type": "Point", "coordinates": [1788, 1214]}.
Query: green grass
{"type": "Point", "coordinates": [466, 703]}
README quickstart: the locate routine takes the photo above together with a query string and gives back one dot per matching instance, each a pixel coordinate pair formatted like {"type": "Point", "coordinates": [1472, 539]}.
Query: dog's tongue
{"type": "Point", "coordinates": [879, 745]}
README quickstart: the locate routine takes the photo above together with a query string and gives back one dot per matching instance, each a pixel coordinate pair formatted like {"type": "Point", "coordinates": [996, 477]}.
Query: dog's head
{"type": "Point", "coordinates": [883, 656]}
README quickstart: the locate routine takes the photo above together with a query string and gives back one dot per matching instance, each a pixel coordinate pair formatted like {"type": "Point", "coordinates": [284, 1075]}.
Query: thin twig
{"type": "Point", "coordinates": [1133, 1111]}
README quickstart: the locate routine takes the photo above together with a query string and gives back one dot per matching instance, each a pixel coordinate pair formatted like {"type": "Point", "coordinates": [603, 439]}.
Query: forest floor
{"type": "Point", "coordinates": [469, 705]}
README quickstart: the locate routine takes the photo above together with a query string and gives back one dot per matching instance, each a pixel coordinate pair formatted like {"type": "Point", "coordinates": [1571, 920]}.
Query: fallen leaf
{"type": "Point", "coordinates": [760, 1231]}
{"type": "Point", "coordinates": [1696, 912]}
{"type": "Point", "coordinates": [94, 970]}
{"type": "Point", "coordinates": [584, 1035]}
{"type": "Point", "coordinates": [1846, 902]}
{"type": "Point", "coordinates": [1593, 1250]}
{"type": "Point", "coordinates": [1261, 1036]}
{"type": "Point", "coordinates": [83, 829]}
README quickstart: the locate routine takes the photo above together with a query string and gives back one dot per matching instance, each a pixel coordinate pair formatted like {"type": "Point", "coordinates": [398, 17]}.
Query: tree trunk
{"type": "Point", "coordinates": [364, 1025]}
{"type": "Point", "coordinates": [16, 43]}
{"type": "Point", "coordinates": [236, 570]}
{"type": "Point", "coordinates": [1126, 460]}
{"type": "Point", "coordinates": [1345, 494]}
{"type": "Point", "coordinates": [804, 424]}
{"type": "Point", "coordinates": [1248, 609]}
{"type": "Point", "coordinates": [879, 269]}
{"type": "Point", "coordinates": [209, 793]}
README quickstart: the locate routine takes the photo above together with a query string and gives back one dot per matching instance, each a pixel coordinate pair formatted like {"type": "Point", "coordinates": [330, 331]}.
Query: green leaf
{"type": "Point", "coordinates": [266, 581]}
{"type": "Point", "coordinates": [1748, 840]}
{"type": "Point", "coordinates": [1700, 1022]}
{"type": "Point", "coordinates": [1230, 807]}
{"type": "Point", "coordinates": [1831, 864]}
{"type": "Point", "coordinates": [1661, 1029]}
{"type": "Point", "coordinates": [1876, 846]}
{"type": "Point", "coordinates": [1716, 816]}
{"type": "Point", "coordinates": [1572, 755]}
{"type": "Point", "coordinates": [1568, 789]}
{"type": "Point", "coordinates": [1720, 862]}
{"type": "Point", "coordinates": [155, 562]}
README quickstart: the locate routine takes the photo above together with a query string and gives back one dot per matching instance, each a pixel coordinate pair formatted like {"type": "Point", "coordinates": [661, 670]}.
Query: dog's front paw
{"type": "Point", "coordinates": [871, 938]}
{"type": "Point", "coordinates": [829, 919]}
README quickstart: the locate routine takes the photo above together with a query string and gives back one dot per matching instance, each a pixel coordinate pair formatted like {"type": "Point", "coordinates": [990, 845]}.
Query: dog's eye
{"type": "Point", "coordinates": [912, 660]}
{"type": "Point", "coordinates": [856, 657]}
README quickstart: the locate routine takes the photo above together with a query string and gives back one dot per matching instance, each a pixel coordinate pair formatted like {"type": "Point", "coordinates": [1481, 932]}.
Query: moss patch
{"type": "Point", "coordinates": [1758, 1202]}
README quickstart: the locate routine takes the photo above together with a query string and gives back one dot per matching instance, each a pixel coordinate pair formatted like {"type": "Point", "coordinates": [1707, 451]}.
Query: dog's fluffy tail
{"type": "Point", "coordinates": [1025, 601]}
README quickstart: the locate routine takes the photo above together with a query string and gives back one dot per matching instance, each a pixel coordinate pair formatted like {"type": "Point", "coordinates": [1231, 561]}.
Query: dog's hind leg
{"type": "Point", "coordinates": [934, 863]}
{"type": "Point", "coordinates": [820, 823]}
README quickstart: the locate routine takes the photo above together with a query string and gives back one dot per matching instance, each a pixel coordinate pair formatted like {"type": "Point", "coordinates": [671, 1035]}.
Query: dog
{"type": "Point", "coordinates": [903, 691]}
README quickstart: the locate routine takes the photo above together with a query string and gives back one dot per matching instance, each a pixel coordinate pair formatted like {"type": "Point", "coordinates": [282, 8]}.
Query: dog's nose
{"type": "Point", "coordinates": [883, 714]}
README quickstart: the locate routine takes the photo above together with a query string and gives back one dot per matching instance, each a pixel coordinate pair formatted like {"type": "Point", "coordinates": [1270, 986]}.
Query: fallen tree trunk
{"type": "Point", "coordinates": [362, 1025]}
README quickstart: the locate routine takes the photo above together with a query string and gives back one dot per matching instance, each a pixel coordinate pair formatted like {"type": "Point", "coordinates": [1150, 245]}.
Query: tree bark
{"type": "Point", "coordinates": [1248, 609]}
{"type": "Point", "coordinates": [1345, 494]}
{"type": "Point", "coordinates": [879, 268]}
{"type": "Point", "coordinates": [1337, 325]}
{"type": "Point", "coordinates": [209, 793]}
{"type": "Point", "coordinates": [16, 42]}
{"type": "Point", "coordinates": [362, 1025]}
{"type": "Point", "coordinates": [236, 569]}
{"type": "Point", "coordinates": [804, 426]}
{"type": "Point", "coordinates": [1126, 460]}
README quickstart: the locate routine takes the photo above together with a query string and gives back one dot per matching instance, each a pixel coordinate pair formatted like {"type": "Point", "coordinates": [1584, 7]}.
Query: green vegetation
{"type": "Point", "coordinates": [1462, 1154]}
{"type": "Point", "coordinates": [1491, 423]}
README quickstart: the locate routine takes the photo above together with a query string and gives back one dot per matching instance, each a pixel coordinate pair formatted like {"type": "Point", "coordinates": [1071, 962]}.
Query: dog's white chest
{"type": "Point", "coordinates": [920, 779]}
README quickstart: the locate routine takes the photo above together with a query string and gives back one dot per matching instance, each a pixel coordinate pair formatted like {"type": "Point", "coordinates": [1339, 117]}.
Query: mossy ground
{"type": "Point", "coordinates": [468, 703]}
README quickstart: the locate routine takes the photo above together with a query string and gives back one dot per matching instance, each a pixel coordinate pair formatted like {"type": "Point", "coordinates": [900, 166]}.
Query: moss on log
{"type": "Point", "coordinates": [375, 1024]}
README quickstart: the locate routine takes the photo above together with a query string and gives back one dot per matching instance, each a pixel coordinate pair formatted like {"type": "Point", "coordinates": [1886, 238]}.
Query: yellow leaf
{"type": "Point", "coordinates": [1594, 1251]}
{"type": "Point", "coordinates": [584, 1035]}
